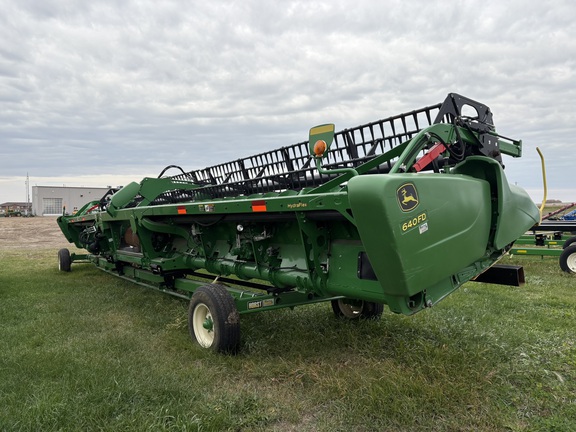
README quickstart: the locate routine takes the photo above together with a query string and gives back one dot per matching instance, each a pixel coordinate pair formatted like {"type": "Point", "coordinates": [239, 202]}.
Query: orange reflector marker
{"type": "Point", "coordinates": [259, 206]}
{"type": "Point", "coordinates": [181, 210]}
{"type": "Point", "coordinates": [319, 148]}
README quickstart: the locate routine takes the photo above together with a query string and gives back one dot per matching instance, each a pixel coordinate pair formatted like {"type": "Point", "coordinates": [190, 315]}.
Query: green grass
{"type": "Point", "coordinates": [87, 351]}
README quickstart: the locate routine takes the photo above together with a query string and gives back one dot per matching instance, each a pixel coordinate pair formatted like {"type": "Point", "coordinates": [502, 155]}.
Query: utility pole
{"type": "Point", "coordinates": [28, 209]}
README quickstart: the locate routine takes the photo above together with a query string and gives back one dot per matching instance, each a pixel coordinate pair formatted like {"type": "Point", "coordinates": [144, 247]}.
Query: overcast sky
{"type": "Point", "coordinates": [97, 93]}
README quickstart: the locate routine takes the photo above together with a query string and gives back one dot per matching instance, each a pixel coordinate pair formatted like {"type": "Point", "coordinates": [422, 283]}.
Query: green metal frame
{"type": "Point", "coordinates": [550, 245]}
{"type": "Point", "coordinates": [541, 251]}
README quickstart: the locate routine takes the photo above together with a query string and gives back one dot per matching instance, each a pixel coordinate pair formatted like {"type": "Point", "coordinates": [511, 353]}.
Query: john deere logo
{"type": "Point", "coordinates": [407, 197]}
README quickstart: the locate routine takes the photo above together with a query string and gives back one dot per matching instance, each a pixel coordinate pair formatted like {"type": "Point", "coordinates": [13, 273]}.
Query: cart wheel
{"type": "Point", "coordinates": [569, 242]}
{"type": "Point", "coordinates": [213, 320]}
{"type": "Point", "coordinates": [64, 260]}
{"type": "Point", "coordinates": [568, 259]}
{"type": "Point", "coordinates": [356, 309]}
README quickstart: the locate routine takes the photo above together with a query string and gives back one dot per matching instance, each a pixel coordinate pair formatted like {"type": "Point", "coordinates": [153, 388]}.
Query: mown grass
{"type": "Point", "coordinates": [86, 351]}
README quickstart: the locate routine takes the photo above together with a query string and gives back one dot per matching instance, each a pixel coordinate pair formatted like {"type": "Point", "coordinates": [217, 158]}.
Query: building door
{"type": "Point", "coordinates": [51, 206]}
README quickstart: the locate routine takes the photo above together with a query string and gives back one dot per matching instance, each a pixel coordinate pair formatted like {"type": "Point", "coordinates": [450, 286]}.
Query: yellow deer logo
{"type": "Point", "coordinates": [407, 197]}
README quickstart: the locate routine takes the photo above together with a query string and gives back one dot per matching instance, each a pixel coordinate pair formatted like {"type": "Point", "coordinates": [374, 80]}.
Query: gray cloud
{"type": "Point", "coordinates": [90, 88]}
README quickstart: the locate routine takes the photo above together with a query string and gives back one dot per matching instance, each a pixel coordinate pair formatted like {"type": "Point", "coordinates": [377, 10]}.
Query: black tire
{"type": "Point", "coordinates": [64, 260]}
{"type": "Point", "coordinates": [213, 319]}
{"type": "Point", "coordinates": [569, 242]}
{"type": "Point", "coordinates": [568, 259]}
{"type": "Point", "coordinates": [357, 309]}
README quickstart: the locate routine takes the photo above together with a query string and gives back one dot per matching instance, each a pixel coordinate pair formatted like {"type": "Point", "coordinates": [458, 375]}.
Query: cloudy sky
{"type": "Point", "coordinates": [97, 93]}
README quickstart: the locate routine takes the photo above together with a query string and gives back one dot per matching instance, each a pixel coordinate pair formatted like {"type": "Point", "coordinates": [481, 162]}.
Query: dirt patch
{"type": "Point", "coordinates": [34, 232]}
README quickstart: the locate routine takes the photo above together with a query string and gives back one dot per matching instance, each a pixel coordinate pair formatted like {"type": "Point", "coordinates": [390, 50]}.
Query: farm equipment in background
{"type": "Point", "coordinates": [568, 216]}
{"type": "Point", "coordinates": [571, 216]}
{"type": "Point", "coordinates": [554, 236]}
{"type": "Point", "coordinates": [556, 244]}
{"type": "Point", "coordinates": [397, 212]}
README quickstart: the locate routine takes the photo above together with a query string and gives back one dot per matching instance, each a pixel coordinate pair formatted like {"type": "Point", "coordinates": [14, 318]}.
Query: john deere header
{"type": "Point", "coordinates": [397, 212]}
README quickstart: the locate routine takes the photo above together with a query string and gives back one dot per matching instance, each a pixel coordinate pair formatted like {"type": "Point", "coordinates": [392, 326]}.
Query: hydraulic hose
{"type": "Point", "coordinates": [544, 180]}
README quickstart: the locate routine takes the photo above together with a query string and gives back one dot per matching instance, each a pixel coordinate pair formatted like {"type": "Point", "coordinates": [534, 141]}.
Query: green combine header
{"type": "Point", "coordinates": [398, 212]}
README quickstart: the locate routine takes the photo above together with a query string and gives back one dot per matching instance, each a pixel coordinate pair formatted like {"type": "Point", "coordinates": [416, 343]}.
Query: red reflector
{"type": "Point", "coordinates": [181, 210]}
{"type": "Point", "coordinates": [259, 206]}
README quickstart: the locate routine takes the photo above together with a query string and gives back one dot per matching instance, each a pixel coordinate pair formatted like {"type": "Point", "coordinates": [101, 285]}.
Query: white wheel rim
{"type": "Point", "coordinates": [571, 262]}
{"type": "Point", "coordinates": [348, 310]}
{"type": "Point", "coordinates": [204, 336]}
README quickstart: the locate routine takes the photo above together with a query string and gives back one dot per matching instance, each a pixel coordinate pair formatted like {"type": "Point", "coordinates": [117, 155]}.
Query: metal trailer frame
{"type": "Point", "coordinates": [553, 238]}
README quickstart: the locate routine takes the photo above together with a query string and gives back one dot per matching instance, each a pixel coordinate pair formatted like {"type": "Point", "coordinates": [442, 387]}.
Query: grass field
{"type": "Point", "coordinates": [86, 351]}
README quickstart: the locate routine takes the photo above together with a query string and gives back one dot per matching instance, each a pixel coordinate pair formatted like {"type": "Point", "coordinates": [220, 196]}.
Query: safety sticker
{"type": "Point", "coordinates": [208, 208]}
{"type": "Point", "coordinates": [423, 228]}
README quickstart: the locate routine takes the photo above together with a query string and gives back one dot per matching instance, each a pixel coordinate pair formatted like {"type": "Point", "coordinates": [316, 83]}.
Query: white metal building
{"type": "Point", "coordinates": [55, 200]}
